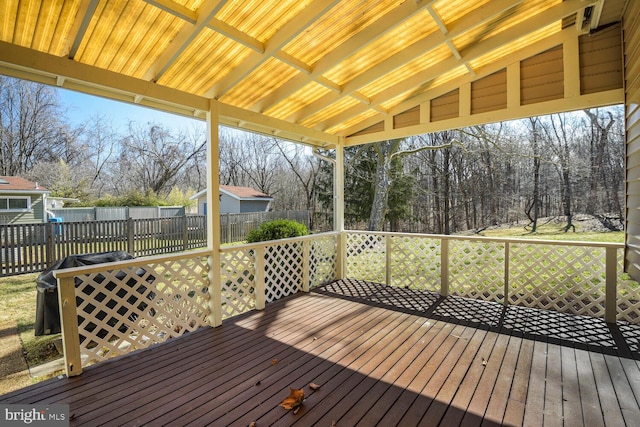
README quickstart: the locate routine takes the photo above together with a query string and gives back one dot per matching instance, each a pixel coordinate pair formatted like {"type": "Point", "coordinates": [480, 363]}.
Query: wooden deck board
{"type": "Point", "coordinates": [382, 356]}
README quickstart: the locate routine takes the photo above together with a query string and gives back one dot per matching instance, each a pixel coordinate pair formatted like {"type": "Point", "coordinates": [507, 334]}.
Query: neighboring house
{"type": "Point", "coordinates": [22, 201]}
{"type": "Point", "coordinates": [235, 200]}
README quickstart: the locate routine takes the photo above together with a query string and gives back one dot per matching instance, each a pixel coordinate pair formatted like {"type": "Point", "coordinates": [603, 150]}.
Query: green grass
{"type": "Point", "coordinates": [18, 306]}
{"type": "Point", "coordinates": [556, 232]}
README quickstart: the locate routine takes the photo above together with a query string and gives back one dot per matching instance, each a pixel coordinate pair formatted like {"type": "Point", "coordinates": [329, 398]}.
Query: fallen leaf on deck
{"type": "Point", "coordinates": [274, 362]}
{"type": "Point", "coordinates": [252, 424]}
{"type": "Point", "coordinates": [334, 424]}
{"type": "Point", "coordinates": [484, 362]}
{"type": "Point", "coordinates": [295, 399]}
{"type": "Point", "coordinates": [314, 386]}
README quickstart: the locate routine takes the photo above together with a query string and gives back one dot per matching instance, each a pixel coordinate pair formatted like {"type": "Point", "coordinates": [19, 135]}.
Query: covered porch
{"type": "Point", "coordinates": [380, 356]}
{"type": "Point", "coordinates": [404, 329]}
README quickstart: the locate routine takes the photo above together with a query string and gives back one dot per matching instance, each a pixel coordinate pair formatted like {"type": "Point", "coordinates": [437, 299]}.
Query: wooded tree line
{"type": "Point", "coordinates": [445, 182]}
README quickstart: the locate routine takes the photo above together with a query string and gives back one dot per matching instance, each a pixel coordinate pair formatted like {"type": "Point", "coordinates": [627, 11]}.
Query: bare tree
{"type": "Point", "coordinates": [32, 127]}
{"type": "Point", "coordinates": [155, 158]}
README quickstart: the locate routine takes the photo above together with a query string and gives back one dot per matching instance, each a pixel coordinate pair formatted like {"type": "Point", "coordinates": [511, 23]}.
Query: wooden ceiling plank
{"type": "Point", "coordinates": [189, 32]}
{"type": "Point", "coordinates": [287, 33]}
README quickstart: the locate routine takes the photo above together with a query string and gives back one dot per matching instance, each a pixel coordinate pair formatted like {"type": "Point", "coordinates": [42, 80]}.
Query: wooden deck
{"type": "Point", "coordinates": [382, 356]}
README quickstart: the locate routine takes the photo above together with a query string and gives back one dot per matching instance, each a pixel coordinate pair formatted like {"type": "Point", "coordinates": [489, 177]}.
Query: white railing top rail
{"type": "Point", "coordinates": [242, 246]}
{"type": "Point", "coordinates": [495, 239]}
{"type": "Point", "coordinates": [118, 265]}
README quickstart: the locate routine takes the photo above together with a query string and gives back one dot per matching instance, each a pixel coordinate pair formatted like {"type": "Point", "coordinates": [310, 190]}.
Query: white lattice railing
{"type": "Point", "coordinates": [115, 308]}
{"type": "Point", "coordinates": [256, 273]}
{"type": "Point", "coordinates": [574, 277]}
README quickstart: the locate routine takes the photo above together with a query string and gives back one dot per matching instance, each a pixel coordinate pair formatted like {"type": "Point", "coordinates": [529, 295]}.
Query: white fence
{"type": "Point", "coordinates": [112, 309]}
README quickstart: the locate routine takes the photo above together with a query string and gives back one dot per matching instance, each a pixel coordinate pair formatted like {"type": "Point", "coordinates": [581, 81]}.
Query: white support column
{"type": "Point", "coordinates": [213, 216]}
{"type": "Point", "coordinates": [338, 211]}
{"type": "Point", "coordinates": [611, 285]}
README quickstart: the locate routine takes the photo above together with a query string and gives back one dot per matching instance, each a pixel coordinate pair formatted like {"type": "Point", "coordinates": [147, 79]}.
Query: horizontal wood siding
{"type": "Point", "coordinates": [408, 118]}
{"type": "Point", "coordinates": [542, 77]}
{"type": "Point", "coordinates": [631, 28]}
{"type": "Point", "coordinates": [489, 93]}
{"type": "Point", "coordinates": [601, 61]}
{"type": "Point", "coordinates": [378, 127]}
{"type": "Point", "coordinates": [445, 106]}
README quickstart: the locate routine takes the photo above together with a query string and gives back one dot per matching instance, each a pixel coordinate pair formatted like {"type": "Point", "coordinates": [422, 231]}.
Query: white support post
{"type": "Point", "coordinates": [611, 282]}
{"type": "Point", "coordinates": [213, 216]}
{"type": "Point", "coordinates": [258, 277]}
{"type": "Point", "coordinates": [444, 267]}
{"type": "Point", "coordinates": [506, 273]}
{"type": "Point", "coordinates": [388, 251]}
{"type": "Point", "coordinates": [338, 212]}
{"type": "Point", "coordinates": [69, 326]}
{"type": "Point", "coordinates": [306, 264]}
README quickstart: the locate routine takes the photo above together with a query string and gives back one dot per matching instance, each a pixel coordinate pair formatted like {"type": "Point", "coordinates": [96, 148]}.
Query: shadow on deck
{"type": "Point", "coordinates": [382, 356]}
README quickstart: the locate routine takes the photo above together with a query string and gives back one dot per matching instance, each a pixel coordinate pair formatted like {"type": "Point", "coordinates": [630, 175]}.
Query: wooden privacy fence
{"type": "Point", "coordinates": [29, 248]}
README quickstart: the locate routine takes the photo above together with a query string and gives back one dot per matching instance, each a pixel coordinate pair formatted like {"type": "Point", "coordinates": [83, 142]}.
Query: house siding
{"type": "Point", "coordinates": [253, 206]}
{"type": "Point", "coordinates": [631, 28]}
{"type": "Point", "coordinates": [35, 215]}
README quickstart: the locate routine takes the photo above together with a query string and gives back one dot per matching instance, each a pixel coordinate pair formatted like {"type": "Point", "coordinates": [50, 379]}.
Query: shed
{"type": "Point", "coordinates": [22, 201]}
{"type": "Point", "coordinates": [234, 199]}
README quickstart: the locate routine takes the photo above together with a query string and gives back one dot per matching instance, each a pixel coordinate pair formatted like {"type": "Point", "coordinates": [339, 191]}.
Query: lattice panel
{"type": "Point", "coordinates": [238, 282]}
{"type": "Point", "coordinates": [322, 264]}
{"type": "Point", "coordinates": [628, 294]}
{"type": "Point", "coordinates": [415, 263]}
{"type": "Point", "coordinates": [366, 257]}
{"type": "Point", "coordinates": [283, 270]}
{"type": "Point", "coordinates": [476, 269]}
{"type": "Point", "coordinates": [568, 279]}
{"type": "Point", "coordinates": [129, 309]}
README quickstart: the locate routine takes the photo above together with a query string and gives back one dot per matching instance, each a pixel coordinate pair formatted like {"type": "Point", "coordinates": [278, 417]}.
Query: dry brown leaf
{"type": "Point", "coordinates": [274, 362]}
{"type": "Point", "coordinates": [252, 424]}
{"type": "Point", "coordinates": [314, 386]}
{"type": "Point", "coordinates": [295, 399]}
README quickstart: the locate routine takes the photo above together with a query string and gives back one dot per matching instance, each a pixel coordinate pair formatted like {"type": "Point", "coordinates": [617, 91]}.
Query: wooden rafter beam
{"type": "Point", "coordinates": [536, 22]}
{"type": "Point", "coordinates": [287, 33]}
{"type": "Point", "coordinates": [418, 48]}
{"type": "Point", "coordinates": [365, 37]}
{"type": "Point", "coordinates": [86, 10]}
{"type": "Point", "coordinates": [182, 40]}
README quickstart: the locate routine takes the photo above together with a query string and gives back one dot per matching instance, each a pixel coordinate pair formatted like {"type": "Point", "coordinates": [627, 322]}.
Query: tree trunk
{"type": "Point", "coordinates": [381, 192]}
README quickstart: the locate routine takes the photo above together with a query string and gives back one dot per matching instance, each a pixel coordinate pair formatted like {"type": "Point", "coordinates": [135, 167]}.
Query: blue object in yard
{"type": "Point", "coordinates": [57, 228]}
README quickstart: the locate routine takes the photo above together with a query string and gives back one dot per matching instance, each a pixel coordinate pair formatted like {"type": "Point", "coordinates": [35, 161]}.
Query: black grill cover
{"type": "Point", "coordinates": [47, 311]}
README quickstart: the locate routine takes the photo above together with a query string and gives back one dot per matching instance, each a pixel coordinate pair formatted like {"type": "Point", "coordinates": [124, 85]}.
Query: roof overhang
{"type": "Point", "coordinates": [319, 72]}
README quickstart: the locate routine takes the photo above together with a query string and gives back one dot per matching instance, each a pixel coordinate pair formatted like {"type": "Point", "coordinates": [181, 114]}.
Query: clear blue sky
{"type": "Point", "coordinates": [81, 107]}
